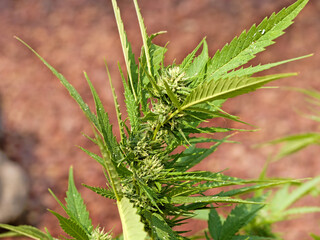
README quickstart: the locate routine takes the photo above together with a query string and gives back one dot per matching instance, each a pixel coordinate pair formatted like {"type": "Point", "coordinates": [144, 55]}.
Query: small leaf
{"type": "Point", "coordinates": [192, 156]}
{"type": "Point", "coordinates": [24, 230]}
{"type": "Point", "coordinates": [132, 106]}
{"type": "Point", "coordinates": [253, 188]}
{"type": "Point", "coordinates": [93, 155]}
{"type": "Point", "coordinates": [280, 204]}
{"type": "Point", "coordinates": [295, 143]}
{"type": "Point", "coordinates": [311, 93]}
{"type": "Point", "coordinates": [238, 217]}
{"type": "Point", "coordinates": [104, 123]}
{"type": "Point", "coordinates": [301, 210]}
{"type": "Point", "coordinates": [214, 224]}
{"type": "Point", "coordinates": [259, 68]}
{"type": "Point", "coordinates": [149, 193]}
{"type": "Point", "coordinates": [156, 55]}
{"type": "Point", "coordinates": [199, 62]}
{"type": "Point", "coordinates": [101, 191]}
{"type": "Point", "coordinates": [10, 234]}
{"type": "Point", "coordinates": [71, 227]}
{"type": "Point", "coordinates": [188, 60]}
{"type": "Point", "coordinates": [160, 228]}
{"type": "Point", "coordinates": [76, 209]}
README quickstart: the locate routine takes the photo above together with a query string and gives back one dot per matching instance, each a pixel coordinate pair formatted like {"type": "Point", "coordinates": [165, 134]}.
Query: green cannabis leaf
{"type": "Point", "coordinates": [71, 227]}
{"type": "Point", "coordinates": [244, 48]}
{"type": "Point", "coordinates": [239, 217]}
{"type": "Point", "coordinates": [226, 88]}
{"type": "Point", "coordinates": [75, 206]}
{"type": "Point", "coordinates": [24, 230]}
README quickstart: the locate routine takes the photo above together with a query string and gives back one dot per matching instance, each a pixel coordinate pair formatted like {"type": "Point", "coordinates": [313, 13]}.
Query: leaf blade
{"type": "Point", "coordinates": [248, 44]}
{"type": "Point", "coordinates": [76, 209]}
{"type": "Point", "coordinates": [71, 227]}
{"type": "Point", "coordinates": [72, 91]}
{"type": "Point", "coordinates": [238, 217]}
{"type": "Point", "coordinates": [131, 224]}
{"type": "Point", "coordinates": [227, 88]}
{"type": "Point", "coordinates": [28, 231]}
{"type": "Point", "coordinates": [132, 68]}
{"type": "Point", "coordinates": [214, 224]}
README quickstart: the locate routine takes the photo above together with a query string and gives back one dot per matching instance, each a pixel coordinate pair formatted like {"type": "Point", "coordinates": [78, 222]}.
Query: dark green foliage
{"type": "Point", "coordinates": [78, 225]}
{"type": "Point", "coordinates": [161, 229]}
{"type": "Point", "coordinates": [76, 209]}
{"type": "Point", "coordinates": [72, 228]}
{"type": "Point", "coordinates": [238, 217]}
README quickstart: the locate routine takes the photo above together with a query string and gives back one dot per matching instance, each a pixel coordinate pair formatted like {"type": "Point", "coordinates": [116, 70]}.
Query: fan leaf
{"type": "Point", "coordinates": [71, 227]}
{"type": "Point", "coordinates": [76, 209]}
{"type": "Point", "coordinates": [244, 48]}
{"type": "Point", "coordinates": [227, 88]}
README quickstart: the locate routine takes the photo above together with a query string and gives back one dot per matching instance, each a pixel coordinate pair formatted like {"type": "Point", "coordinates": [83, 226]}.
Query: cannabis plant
{"type": "Point", "coordinates": [281, 199]}
{"type": "Point", "coordinates": [259, 220]}
{"type": "Point", "coordinates": [148, 171]}
{"type": "Point", "coordinates": [279, 206]}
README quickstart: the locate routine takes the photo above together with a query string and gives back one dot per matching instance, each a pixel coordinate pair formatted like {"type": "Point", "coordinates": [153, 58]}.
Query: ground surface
{"type": "Point", "coordinates": [43, 125]}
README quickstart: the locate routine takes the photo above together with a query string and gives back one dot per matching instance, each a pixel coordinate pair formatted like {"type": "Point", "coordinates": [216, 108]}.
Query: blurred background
{"type": "Point", "coordinates": [42, 125]}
